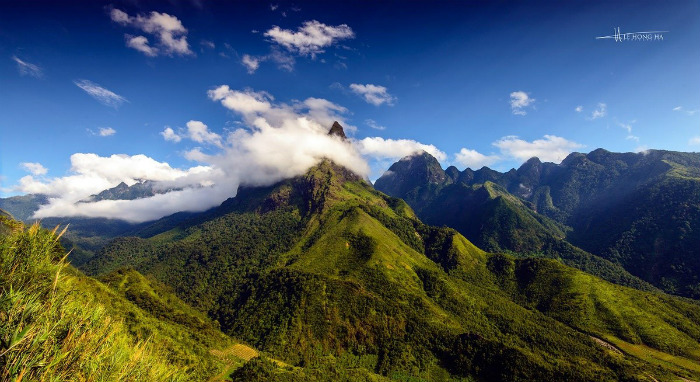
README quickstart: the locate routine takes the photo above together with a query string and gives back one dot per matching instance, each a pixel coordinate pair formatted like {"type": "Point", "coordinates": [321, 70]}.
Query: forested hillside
{"type": "Point", "coordinates": [327, 274]}
{"type": "Point", "coordinates": [639, 211]}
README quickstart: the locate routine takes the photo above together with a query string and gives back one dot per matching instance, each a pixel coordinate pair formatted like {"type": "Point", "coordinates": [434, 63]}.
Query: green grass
{"type": "Point", "coordinates": [48, 333]}
{"type": "Point", "coordinates": [58, 325]}
{"type": "Point", "coordinates": [680, 365]}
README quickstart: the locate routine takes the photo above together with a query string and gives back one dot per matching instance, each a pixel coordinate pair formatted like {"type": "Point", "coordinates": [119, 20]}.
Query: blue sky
{"type": "Point", "coordinates": [484, 83]}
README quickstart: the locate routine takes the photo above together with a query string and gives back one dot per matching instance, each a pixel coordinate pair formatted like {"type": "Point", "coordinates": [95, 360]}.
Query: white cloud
{"type": "Point", "coordinates": [579, 108]}
{"type": "Point", "coordinates": [631, 137]}
{"type": "Point", "coordinates": [171, 34]}
{"type": "Point", "coordinates": [91, 173]}
{"type": "Point", "coordinates": [251, 63]}
{"type": "Point", "coordinates": [34, 168]}
{"type": "Point", "coordinates": [519, 101]}
{"type": "Point", "coordinates": [550, 149]}
{"type": "Point", "coordinates": [694, 141]}
{"type": "Point", "coordinates": [474, 159]}
{"type": "Point", "coordinates": [28, 69]}
{"type": "Point", "coordinates": [252, 105]}
{"type": "Point", "coordinates": [140, 43]}
{"type": "Point", "coordinates": [381, 148]}
{"type": "Point", "coordinates": [280, 141]}
{"type": "Point", "coordinates": [207, 44]}
{"type": "Point", "coordinates": [104, 96]}
{"type": "Point", "coordinates": [198, 132]}
{"type": "Point", "coordinates": [106, 131]}
{"type": "Point", "coordinates": [170, 135]}
{"type": "Point", "coordinates": [373, 124]}
{"type": "Point", "coordinates": [678, 108]}
{"type": "Point", "coordinates": [600, 112]}
{"type": "Point", "coordinates": [374, 94]}
{"type": "Point", "coordinates": [310, 38]}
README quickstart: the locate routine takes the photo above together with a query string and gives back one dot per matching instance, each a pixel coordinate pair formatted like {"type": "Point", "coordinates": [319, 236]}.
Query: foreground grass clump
{"type": "Point", "coordinates": [51, 332]}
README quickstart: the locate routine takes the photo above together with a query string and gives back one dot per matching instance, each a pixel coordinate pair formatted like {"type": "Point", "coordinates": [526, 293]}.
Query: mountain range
{"type": "Point", "coordinates": [639, 211]}
{"type": "Point", "coordinates": [473, 275]}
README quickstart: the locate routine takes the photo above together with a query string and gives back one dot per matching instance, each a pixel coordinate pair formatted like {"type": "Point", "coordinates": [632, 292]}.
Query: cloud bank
{"type": "Point", "coordinates": [278, 141]}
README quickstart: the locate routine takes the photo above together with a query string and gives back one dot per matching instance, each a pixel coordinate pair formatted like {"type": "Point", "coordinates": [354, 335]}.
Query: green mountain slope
{"type": "Point", "coordinates": [329, 275]}
{"type": "Point", "coordinates": [58, 324]}
{"type": "Point", "coordinates": [491, 217]}
{"type": "Point", "coordinates": [641, 211]}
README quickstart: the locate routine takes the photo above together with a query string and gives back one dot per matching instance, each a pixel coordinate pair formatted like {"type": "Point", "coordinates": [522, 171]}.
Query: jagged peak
{"type": "Point", "coordinates": [338, 131]}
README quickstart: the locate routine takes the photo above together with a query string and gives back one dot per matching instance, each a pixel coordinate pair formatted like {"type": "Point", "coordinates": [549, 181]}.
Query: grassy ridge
{"type": "Point", "coordinates": [57, 324]}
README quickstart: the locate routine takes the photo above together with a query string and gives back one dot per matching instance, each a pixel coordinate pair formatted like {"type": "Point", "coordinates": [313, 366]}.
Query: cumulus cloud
{"type": "Point", "coordinates": [27, 68]}
{"type": "Point", "coordinates": [519, 101]}
{"type": "Point", "coordinates": [374, 94]}
{"type": "Point", "coordinates": [310, 38]}
{"type": "Point", "coordinates": [34, 168]}
{"type": "Point", "coordinates": [550, 149]}
{"type": "Point", "coordinates": [373, 124]}
{"type": "Point", "coordinates": [694, 141]}
{"type": "Point", "coordinates": [600, 112]}
{"type": "Point", "coordinates": [579, 108]}
{"type": "Point", "coordinates": [251, 63]}
{"type": "Point", "coordinates": [102, 95]}
{"type": "Point", "coordinates": [141, 44]}
{"type": "Point", "coordinates": [167, 29]}
{"type": "Point", "coordinates": [474, 159]}
{"type": "Point", "coordinates": [170, 135]}
{"type": "Point", "coordinates": [199, 132]}
{"type": "Point", "coordinates": [380, 148]}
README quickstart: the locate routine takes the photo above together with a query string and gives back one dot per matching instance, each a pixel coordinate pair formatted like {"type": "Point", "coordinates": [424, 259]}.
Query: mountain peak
{"type": "Point", "coordinates": [337, 130]}
{"type": "Point", "coordinates": [410, 172]}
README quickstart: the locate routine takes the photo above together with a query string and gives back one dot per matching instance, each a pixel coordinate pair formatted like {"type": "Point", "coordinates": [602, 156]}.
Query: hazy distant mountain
{"type": "Point", "coordinates": [639, 210]}
{"type": "Point", "coordinates": [23, 207]}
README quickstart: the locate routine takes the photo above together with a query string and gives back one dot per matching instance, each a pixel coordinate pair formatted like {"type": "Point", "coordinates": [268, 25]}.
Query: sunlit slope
{"type": "Point", "coordinates": [58, 324]}
{"type": "Point", "coordinates": [326, 273]}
